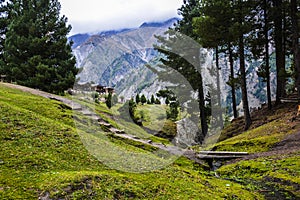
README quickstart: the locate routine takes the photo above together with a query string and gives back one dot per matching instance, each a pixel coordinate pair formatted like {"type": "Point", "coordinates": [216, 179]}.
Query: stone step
{"type": "Point", "coordinates": [117, 131]}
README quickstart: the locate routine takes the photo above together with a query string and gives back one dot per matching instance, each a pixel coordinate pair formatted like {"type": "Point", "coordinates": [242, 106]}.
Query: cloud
{"type": "Point", "coordinates": [98, 15]}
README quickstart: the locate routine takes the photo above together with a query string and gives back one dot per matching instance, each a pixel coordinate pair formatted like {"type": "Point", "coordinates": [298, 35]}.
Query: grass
{"type": "Point", "coordinates": [276, 175]}
{"type": "Point", "coordinates": [280, 171]}
{"type": "Point", "coordinates": [44, 151]}
{"type": "Point", "coordinates": [154, 116]}
{"type": "Point", "coordinates": [256, 140]}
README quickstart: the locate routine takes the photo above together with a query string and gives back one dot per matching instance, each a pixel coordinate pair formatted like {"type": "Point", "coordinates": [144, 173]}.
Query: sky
{"type": "Point", "coordinates": [90, 16]}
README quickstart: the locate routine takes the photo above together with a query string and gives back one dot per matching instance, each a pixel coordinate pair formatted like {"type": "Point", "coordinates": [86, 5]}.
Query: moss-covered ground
{"type": "Point", "coordinates": [274, 168]}
{"type": "Point", "coordinates": [49, 151]}
{"type": "Point", "coordinates": [43, 155]}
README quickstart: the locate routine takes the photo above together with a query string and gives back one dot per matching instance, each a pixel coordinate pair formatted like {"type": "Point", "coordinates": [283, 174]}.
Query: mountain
{"type": "Point", "coordinates": [119, 59]}
{"type": "Point", "coordinates": [165, 24]}
{"type": "Point", "coordinates": [116, 58]}
{"type": "Point", "coordinates": [78, 39]}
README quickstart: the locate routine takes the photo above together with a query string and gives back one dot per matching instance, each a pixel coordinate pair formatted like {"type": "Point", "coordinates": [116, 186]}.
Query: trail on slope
{"type": "Point", "coordinates": [190, 154]}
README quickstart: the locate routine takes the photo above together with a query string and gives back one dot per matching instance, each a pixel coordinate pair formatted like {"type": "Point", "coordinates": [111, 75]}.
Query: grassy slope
{"type": "Point", "coordinates": [260, 139]}
{"type": "Point", "coordinates": [280, 171]}
{"type": "Point", "coordinates": [42, 151]}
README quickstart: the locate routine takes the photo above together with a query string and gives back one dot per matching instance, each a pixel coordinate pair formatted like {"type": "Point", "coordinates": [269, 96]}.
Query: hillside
{"type": "Point", "coordinates": [119, 59]}
{"type": "Point", "coordinates": [45, 155]}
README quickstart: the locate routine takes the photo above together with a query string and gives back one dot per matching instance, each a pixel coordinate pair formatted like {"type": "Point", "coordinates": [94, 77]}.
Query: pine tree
{"type": "Point", "coordinates": [185, 63]}
{"type": "Point", "coordinates": [152, 99]}
{"type": "Point", "coordinates": [137, 99]}
{"type": "Point", "coordinates": [167, 101]}
{"type": "Point", "coordinates": [3, 25]}
{"type": "Point", "coordinates": [143, 99]}
{"type": "Point", "coordinates": [157, 101]}
{"type": "Point", "coordinates": [259, 43]}
{"type": "Point", "coordinates": [242, 27]}
{"type": "Point", "coordinates": [279, 48]}
{"type": "Point", "coordinates": [295, 38]}
{"type": "Point", "coordinates": [213, 29]}
{"type": "Point", "coordinates": [114, 99]}
{"type": "Point", "coordinates": [36, 51]}
{"type": "Point", "coordinates": [217, 30]}
{"type": "Point", "coordinates": [108, 100]}
{"type": "Point", "coordinates": [172, 101]}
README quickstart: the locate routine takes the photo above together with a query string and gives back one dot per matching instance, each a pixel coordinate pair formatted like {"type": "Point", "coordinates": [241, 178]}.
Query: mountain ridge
{"type": "Point", "coordinates": [119, 58]}
{"type": "Point", "coordinates": [80, 38]}
{"type": "Point", "coordinates": [110, 56]}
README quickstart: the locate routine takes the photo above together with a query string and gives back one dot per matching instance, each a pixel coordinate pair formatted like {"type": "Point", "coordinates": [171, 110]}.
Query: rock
{"type": "Point", "coordinates": [45, 196]}
{"type": "Point", "coordinates": [117, 131]}
{"type": "Point", "coordinates": [120, 131]}
{"type": "Point", "coordinates": [187, 132]}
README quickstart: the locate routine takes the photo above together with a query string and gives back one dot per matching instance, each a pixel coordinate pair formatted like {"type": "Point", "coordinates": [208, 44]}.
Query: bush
{"type": "Point", "coordinates": [95, 95]}
{"type": "Point", "coordinates": [108, 101]}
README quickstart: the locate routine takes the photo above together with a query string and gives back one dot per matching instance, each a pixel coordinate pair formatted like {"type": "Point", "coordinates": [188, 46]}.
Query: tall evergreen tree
{"type": "Point", "coordinates": [212, 28]}
{"type": "Point", "coordinates": [259, 43]}
{"type": "Point", "coordinates": [109, 100]}
{"type": "Point", "coordinates": [189, 67]}
{"type": "Point", "coordinates": [223, 23]}
{"type": "Point", "coordinates": [295, 38]}
{"type": "Point", "coordinates": [241, 27]}
{"type": "Point", "coordinates": [267, 57]}
{"type": "Point", "coordinates": [3, 29]}
{"type": "Point", "coordinates": [152, 99]}
{"type": "Point", "coordinates": [36, 50]}
{"type": "Point", "coordinates": [137, 98]}
{"type": "Point", "coordinates": [143, 99]}
{"type": "Point", "coordinates": [279, 48]}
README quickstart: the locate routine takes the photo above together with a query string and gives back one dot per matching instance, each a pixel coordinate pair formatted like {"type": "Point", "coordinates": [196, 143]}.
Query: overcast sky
{"type": "Point", "coordinates": [97, 15]}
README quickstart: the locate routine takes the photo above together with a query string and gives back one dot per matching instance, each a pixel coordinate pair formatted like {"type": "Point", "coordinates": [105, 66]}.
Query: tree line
{"type": "Point", "coordinates": [34, 49]}
{"type": "Point", "coordinates": [241, 30]}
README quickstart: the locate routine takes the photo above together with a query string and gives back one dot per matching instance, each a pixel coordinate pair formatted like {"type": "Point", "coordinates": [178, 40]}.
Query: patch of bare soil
{"type": "Point", "coordinates": [263, 116]}
{"type": "Point", "coordinates": [289, 145]}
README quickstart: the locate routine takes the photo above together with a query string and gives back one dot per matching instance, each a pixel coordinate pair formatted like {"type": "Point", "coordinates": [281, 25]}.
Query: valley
{"type": "Point", "coordinates": [54, 153]}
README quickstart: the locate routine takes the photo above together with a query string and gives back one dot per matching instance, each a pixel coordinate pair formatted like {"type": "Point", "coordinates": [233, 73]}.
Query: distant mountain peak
{"type": "Point", "coordinates": [80, 39]}
{"type": "Point", "coordinates": [113, 32]}
{"type": "Point", "coordinates": [167, 23]}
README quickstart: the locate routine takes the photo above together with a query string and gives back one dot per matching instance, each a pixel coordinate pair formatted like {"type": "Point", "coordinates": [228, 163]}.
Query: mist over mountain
{"type": "Point", "coordinates": [118, 58]}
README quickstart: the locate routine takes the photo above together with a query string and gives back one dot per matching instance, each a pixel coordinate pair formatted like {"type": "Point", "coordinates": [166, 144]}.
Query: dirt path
{"type": "Point", "coordinates": [289, 145]}
{"type": "Point", "coordinates": [68, 102]}
{"type": "Point", "coordinates": [118, 133]}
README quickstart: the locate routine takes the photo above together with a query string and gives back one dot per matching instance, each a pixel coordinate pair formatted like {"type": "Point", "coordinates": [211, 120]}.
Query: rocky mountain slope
{"type": "Point", "coordinates": [118, 59]}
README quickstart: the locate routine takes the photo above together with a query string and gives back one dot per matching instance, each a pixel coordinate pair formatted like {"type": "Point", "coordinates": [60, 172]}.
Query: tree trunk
{"type": "Point", "coordinates": [280, 68]}
{"type": "Point", "coordinates": [247, 116]}
{"type": "Point", "coordinates": [296, 52]}
{"type": "Point", "coordinates": [201, 101]}
{"type": "Point", "coordinates": [233, 96]}
{"type": "Point", "coordinates": [219, 106]}
{"type": "Point", "coordinates": [267, 60]}
{"type": "Point", "coordinates": [203, 117]}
